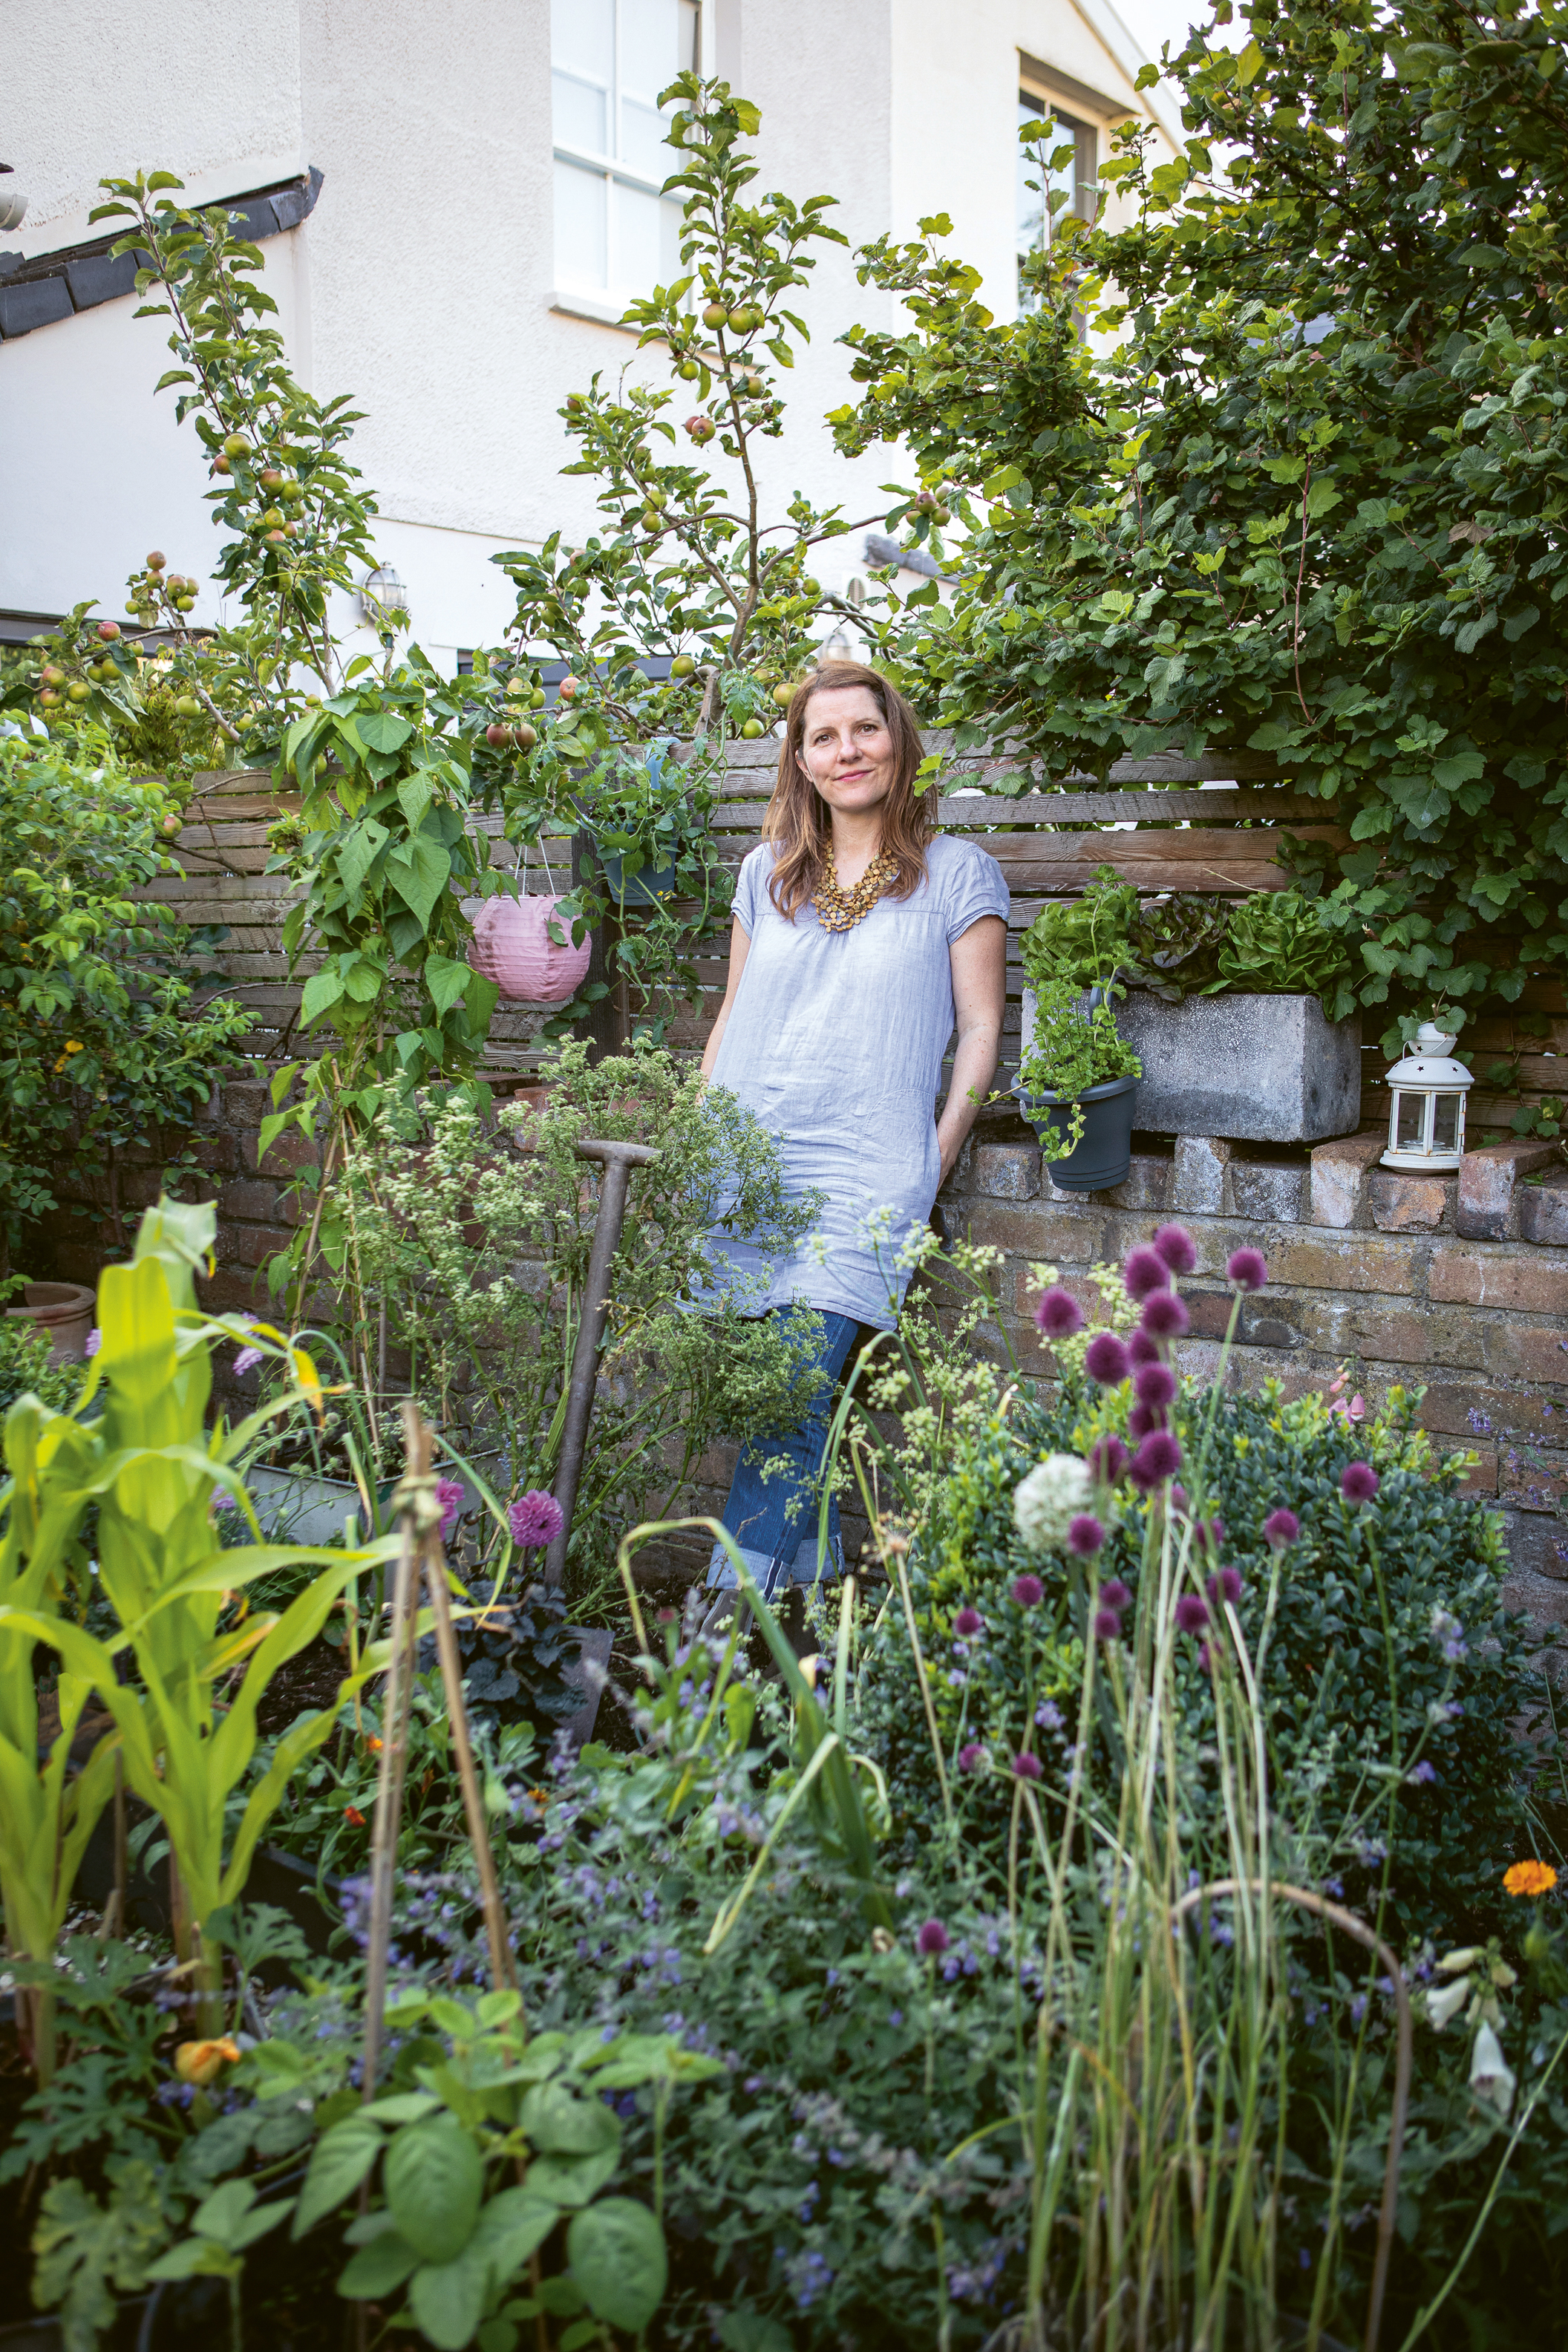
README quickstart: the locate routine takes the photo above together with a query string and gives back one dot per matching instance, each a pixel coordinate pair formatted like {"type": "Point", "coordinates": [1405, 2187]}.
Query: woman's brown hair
{"type": "Point", "coordinates": [799, 821]}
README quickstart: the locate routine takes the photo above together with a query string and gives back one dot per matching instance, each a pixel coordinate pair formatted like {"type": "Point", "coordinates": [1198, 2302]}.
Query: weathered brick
{"type": "Point", "coordinates": [1531, 1480]}
{"type": "Point", "coordinates": [1538, 1549]}
{"type": "Point", "coordinates": [1543, 1209]}
{"type": "Point", "coordinates": [252, 1201]}
{"type": "Point", "coordinates": [247, 1103]}
{"type": "Point", "coordinates": [1198, 1173]}
{"type": "Point", "coordinates": [1026, 1295]}
{"type": "Point", "coordinates": [1477, 1410]}
{"type": "Point", "coordinates": [1489, 1180]}
{"type": "Point", "coordinates": [1339, 1176]}
{"type": "Point", "coordinates": [1005, 1172]}
{"type": "Point", "coordinates": [285, 1153]}
{"type": "Point", "coordinates": [1270, 1192]}
{"type": "Point", "coordinates": [1357, 1262]}
{"type": "Point", "coordinates": [1210, 1312]}
{"type": "Point", "coordinates": [1073, 1236]}
{"type": "Point", "coordinates": [1481, 1478]}
{"type": "Point", "coordinates": [1147, 1184]}
{"type": "Point", "coordinates": [1403, 1203]}
{"type": "Point", "coordinates": [1524, 1351]}
{"type": "Point", "coordinates": [1515, 1279]}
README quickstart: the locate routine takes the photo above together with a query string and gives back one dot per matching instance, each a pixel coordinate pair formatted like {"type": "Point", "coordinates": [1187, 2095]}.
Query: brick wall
{"type": "Point", "coordinates": [1409, 1281]}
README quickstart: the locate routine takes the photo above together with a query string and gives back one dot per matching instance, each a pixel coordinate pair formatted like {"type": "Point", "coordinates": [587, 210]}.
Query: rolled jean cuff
{"type": "Point", "coordinates": [763, 1572]}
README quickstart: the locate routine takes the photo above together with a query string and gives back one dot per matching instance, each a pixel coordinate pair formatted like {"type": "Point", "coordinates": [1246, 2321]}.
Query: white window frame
{"type": "Point", "coordinates": [606, 303]}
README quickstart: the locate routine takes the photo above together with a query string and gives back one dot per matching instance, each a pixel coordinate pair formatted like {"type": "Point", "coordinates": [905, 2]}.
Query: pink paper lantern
{"type": "Point", "coordinates": [512, 945]}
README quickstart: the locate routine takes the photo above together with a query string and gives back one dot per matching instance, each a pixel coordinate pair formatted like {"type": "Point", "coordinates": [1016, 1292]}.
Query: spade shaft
{"type": "Point", "coordinates": [617, 1160]}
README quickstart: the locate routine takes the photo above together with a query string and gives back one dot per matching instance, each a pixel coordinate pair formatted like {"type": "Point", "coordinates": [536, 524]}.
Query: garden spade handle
{"type": "Point", "coordinates": [618, 1161]}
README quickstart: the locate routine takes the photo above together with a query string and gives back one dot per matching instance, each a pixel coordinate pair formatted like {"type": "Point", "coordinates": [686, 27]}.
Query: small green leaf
{"type": "Point", "coordinates": [1248, 65]}
{"type": "Point", "coordinates": [617, 2253]}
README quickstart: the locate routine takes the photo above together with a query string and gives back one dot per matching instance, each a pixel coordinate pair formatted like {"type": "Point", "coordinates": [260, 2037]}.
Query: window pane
{"type": "Point", "coordinates": [1446, 1122]}
{"type": "Point", "coordinates": [583, 38]}
{"type": "Point", "coordinates": [581, 114]}
{"type": "Point", "coordinates": [1412, 1116]}
{"type": "Point", "coordinates": [642, 144]}
{"type": "Point", "coordinates": [691, 35]}
{"type": "Point", "coordinates": [639, 240]}
{"type": "Point", "coordinates": [650, 61]}
{"type": "Point", "coordinates": [581, 259]}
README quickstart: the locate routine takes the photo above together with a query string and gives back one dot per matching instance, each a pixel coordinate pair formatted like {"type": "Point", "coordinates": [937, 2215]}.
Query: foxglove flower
{"type": "Point", "coordinates": [1492, 2078]}
{"type": "Point", "coordinates": [451, 1494]}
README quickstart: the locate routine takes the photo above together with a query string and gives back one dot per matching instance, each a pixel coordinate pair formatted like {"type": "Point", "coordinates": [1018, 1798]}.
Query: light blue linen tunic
{"type": "Point", "coordinates": [835, 1042]}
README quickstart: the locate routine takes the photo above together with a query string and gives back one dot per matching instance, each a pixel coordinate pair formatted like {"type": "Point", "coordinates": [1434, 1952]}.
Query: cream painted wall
{"type": "Point", "coordinates": [422, 285]}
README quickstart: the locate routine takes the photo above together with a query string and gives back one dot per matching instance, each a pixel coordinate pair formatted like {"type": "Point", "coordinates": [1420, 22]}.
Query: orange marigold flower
{"type": "Point", "coordinates": [373, 1743]}
{"type": "Point", "coordinates": [352, 1813]}
{"type": "Point", "coordinates": [1528, 1878]}
{"type": "Point", "coordinates": [198, 2061]}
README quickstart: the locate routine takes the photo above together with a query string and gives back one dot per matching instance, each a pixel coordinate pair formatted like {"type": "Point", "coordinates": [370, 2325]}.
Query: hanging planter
{"type": "Point", "coordinates": [65, 1310]}
{"type": "Point", "coordinates": [1103, 1152]}
{"type": "Point", "coordinates": [512, 946]}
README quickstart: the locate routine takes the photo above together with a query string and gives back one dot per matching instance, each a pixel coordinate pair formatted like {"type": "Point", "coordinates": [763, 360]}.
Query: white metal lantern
{"type": "Point", "coordinates": [384, 599]}
{"type": "Point", "coordinates": [1426, 1105]}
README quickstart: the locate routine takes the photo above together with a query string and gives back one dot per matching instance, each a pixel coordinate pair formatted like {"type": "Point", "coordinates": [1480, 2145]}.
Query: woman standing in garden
{"type": "Point", "coordinates": [862, 938]}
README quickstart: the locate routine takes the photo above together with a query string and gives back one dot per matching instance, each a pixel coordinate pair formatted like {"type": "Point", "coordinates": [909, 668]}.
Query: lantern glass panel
{"type": "Point", "coordinates": [1446, 1122]}
{"type": "Point", "coordinates": [1411, 1119]}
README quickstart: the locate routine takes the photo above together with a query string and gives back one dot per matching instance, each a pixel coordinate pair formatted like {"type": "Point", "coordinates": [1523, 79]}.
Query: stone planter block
{"type": "Point", "coordinates": [1257, 1069]}
{"type": "Point", "coordinates": [1489, 1186]}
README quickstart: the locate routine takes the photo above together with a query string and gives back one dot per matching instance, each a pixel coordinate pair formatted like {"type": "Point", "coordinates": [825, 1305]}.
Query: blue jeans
{"type": "Point", "coordinates": [779, 1547]}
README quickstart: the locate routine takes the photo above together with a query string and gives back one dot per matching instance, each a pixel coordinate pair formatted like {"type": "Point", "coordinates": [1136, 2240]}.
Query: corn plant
{"type": "Point", "coordinates": [146, 1462]}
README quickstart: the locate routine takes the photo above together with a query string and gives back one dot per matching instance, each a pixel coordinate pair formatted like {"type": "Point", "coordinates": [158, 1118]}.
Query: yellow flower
{"type": "Point", "coordinates": [1528, 1878]}
{"type": "Point", "coordinates": [199, 2061]}
{"type": "Point", "coordinates": [72, 1047]}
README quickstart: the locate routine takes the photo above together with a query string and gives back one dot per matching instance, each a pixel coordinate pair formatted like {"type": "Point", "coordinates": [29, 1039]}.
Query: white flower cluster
{"type": "Point", "coordinates": [1046, 1502]}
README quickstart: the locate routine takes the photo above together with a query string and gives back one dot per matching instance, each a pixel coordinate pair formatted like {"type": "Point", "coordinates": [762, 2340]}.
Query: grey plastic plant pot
{"type": "Point", "coordinates": [651, 885]}
{"type": "Point", "coordinates": [1103, 1153]}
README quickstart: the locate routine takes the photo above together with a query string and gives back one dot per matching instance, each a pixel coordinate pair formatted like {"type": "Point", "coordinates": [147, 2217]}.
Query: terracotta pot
{"type": "Point", "coordinates": [66, 1311]}
{"type": "Point", "coordinates": [512, 946]}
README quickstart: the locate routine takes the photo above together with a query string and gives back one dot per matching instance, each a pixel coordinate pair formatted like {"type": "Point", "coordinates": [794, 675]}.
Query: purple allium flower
{"type": "Point", "coordinates": [1359, 1483]}
{"type": "Point", "coordinates": [1281, 1527]}
{"type": "Point", "coordinates": [451, 1494]}
{"type": "Point", "coordinates": [1141, 1350]}
{"type": "Point", "coordinates": [1155, 1384]}
{"type": "Point", "coordinates": [1085, 1536]}
{"type": "Point", "coordinates": [1108, 1459]}
{"type": "Point", "coordinates": [1025, 1767]}
{"type": "Point", "coordinates": [1028, 1590]}
{"type": "Point", "coordinates": [1165, 1316]}
{"type": "Point", "coordinates": [1106, 1359]}
{"type": "Point", "coordinates": [1113, 1594]}
{"type": "Point", "coordinates": [932, 1940]}
{"type": "Point", "coordinates": [1144, 1418]}
{"type": "Point", "coordinates": [971, 1757]}
{"type": "Point", "coordinates": [1248, 1268]}
{"type": "Point", "coordinates": [1225, 1586]}
{"type": "Point", "coordinates": [1174, 1244]}
{"type": "Point", "coordinates": [535, 1520]}
{"type": "Point", "coordinates": [94, 1343]}
{"type": "Point", "coordinates": [247, 1360]}
{"type": "Point", "coordinates": [1158, 1457]}
{"type": "Point", "coordinates": [1143, 1271]}
{"type": "Point", "coordinates": [1191, 1613]}
{"type": "Point", "coordinates": [1210, 1537]}
{"type": "Point", "coordinates": [967, 1623]}
{"type": "Point", "coordinates": [1058, 1315]}
{"type": "Point", "coordinates": [1107, 1625]}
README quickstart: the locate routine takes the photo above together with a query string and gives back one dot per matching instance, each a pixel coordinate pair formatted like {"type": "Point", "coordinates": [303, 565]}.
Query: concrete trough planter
{"type": "Point", "coordinates": [1260, 1069]}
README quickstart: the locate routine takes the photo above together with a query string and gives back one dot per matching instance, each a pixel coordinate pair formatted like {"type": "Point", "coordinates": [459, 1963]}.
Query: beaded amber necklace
{"type": "Point", "coordinates": [838, 910]}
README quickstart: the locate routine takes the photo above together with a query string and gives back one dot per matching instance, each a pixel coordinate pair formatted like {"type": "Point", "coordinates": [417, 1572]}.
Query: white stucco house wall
{"type": "Point", "coordinates": [457, 197]}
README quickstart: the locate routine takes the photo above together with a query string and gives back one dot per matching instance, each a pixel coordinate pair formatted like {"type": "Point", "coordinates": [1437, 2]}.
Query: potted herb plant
{"type": "Point", "coordinates": [1077, 1084]}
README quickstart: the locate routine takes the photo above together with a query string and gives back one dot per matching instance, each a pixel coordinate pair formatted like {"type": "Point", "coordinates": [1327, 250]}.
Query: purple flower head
{"type": "Point", "coordinates": [93, 1343]}
{"type": "Point", "coordinates": [451, 1494]}
{"type": "Point", "coordinates": [1143, 1271]}
{"type": "Point", "coordinates": [1058, 1315]}
{"type": "Point", "coordinates": [1174, 1244]}
{"type": "Point", "coordinates": [535, 1520]}
{"type": "Point", "coordinates": [971, 1757]}
{"type": "Point", "coordinates": [932, 1940]}
{"type": "Point", "coordinates": [1191, 1613]}
{"type": "Point", "coordinates": [1108, 1459]}
{"type": "Point", "coordinates": [247, 1360]}
{"type": "Point", "coordinates": [1165, 1316]}
{"type": "Point", "coordinates": [1155, 1384]}
{"type": "Point", "coordinates": [967, 1623]}
{"type": "Point", "coordinates": [1359, 1483]}
{"type": "Point", "coordinates": [1028, 1590]}
{"type": "Point", "coordinates": [1144, 1418]}
{"type": "Point", "coordinates": [1210, 1537]}
{"type": "Point", "coordinates": [1085, 1536]}
{"type": "Point", "coordinates": [1113, 1594]}
{"type": "Point", "coordinates": [1106, 1359]}
{"type": "Point", "coordinates": [1141, 1349]}
{"type": "Point", "coordinates": [1107, 1625]}
{"type": "Point", "coordinates": [1025, 1767]}
{"type": "Point", "coordinates": [1225, 1586]}
{"type": "Point", "coordinates": [1281, 1527]}
{"type": "Point", "coordinates": [1158, 1457]}
{"type": "Point", "coordinates": [1421, 1775]}
{"type": "Point", "coordinates": [1248, 1268]}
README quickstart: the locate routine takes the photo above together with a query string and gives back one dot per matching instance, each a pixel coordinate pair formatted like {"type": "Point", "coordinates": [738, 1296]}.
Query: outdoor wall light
{"type": "Point", "coordinates": [1426, 1105]}
{"type": "Point", "coordinates": [384, 599]}
{"type": "Point", "coordinates": [13, 204]}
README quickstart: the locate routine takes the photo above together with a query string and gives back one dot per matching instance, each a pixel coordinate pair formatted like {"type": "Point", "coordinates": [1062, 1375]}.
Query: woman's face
{"type": "Point", "coordinates": [847, 749]}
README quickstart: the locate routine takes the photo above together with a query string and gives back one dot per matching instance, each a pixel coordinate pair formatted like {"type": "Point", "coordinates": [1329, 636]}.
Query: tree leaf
{"type": "Point", "coordinates": [321, 993]}
{"type": "Point", "coordinates": [615, 2249]}
{"type": "Point", "coordinates": [382, 731]}
{"type": "Point", "coordinates": [446, 980]}
{"type": "Point", "coordinates": [419, 871]}
{"type": "Point", "coordinates": [434, 2178]}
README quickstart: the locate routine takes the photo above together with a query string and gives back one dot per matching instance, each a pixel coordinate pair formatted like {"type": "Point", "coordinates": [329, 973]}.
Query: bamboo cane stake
{"type": "Point", "coordinates": [398, 1689]}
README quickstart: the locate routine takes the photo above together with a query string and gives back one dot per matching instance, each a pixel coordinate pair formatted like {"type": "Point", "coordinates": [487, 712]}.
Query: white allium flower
{"type": "Point", "coordinates": [1046, 1502]}
{"type": "Point", "coordinates": [1491, 2077]}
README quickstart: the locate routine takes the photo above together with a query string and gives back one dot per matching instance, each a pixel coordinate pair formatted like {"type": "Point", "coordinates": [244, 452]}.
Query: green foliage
{"type": "Point", "coordinates": [1074, 1046]}
{"type": "Point", "coordinates": [29, 1365]}
{"type": "Point", "coordinates": [1308, 501]}
{"type": "Point", "coordinates": [101, 1037]}
{"type": "Point", "coordinates": [124, 701]}
{"type": "Point", "coordinates": [88, 2253]}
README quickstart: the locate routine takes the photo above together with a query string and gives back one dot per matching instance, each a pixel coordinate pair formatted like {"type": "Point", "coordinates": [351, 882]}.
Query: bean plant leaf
{"type": "Point", "coordinates": [378, 2269]}
{"type": "Point", "coordinates": [419, 870]}
{"type": "Point", "coordinates": [616, 2253]}
{"type": "Point", "coordinates": [343, 2156]}
{"type": "Point", "coordinates": [448, 2298]}
{"type": "Point", "coordinates": [434, 2178]}
{"type": "Point", "coordinates": [382, 731]}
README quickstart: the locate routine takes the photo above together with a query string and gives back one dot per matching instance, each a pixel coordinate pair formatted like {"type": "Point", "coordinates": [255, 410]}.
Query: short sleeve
{"type": "Point", "coordinates": [750, 884]}
{"type": "Point", "coordinates": [975, 888]}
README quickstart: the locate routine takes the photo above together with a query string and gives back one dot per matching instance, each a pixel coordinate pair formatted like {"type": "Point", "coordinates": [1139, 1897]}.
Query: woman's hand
{"type": "Point", "coordinates": [979, 995]}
